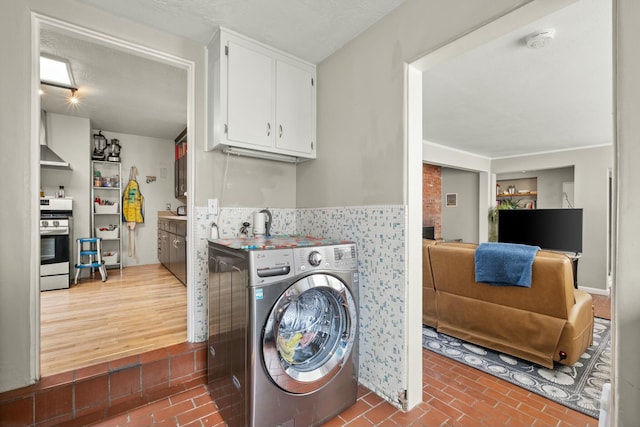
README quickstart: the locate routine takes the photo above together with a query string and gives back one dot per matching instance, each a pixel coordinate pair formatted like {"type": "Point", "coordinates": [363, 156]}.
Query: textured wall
{"type": "Point", "coordinates": [379, 232]}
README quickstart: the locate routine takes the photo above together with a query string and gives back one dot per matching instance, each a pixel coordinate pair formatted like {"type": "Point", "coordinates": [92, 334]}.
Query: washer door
{"type": "Point", "coordinates": [309, 333]}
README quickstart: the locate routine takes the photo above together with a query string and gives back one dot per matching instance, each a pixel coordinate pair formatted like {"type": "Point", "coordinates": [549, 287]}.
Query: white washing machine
{"type": "Point", "coordinates": [283, 325]}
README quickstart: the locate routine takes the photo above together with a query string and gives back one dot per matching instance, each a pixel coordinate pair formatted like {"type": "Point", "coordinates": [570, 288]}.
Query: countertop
{"type": "Point", "coordinates": [171, 215]}
{"type": "Point", "coordinates": [176, 217]}
{"type": "Point", "coordinates": [276, 242]}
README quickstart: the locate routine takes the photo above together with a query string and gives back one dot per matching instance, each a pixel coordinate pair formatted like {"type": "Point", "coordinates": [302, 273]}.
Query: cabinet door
{"type": "Point", "coordinates": [181, 260]}
{"type": "Point", "coordinates": [182, 177]}
{"type": "Point", "coordinates": [294, 109]}
{"type": "Point", "coordinates": [176, 179]}
{"type": "Point", "coordinates": [163, 247]}
{"type": "Point", "coordinates": [249, 97]}
{"type": "Point", "coordinates": [174, 254]}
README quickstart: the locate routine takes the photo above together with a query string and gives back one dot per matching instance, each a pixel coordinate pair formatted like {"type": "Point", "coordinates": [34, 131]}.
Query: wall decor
{"type": "Point", "coordinates": [451, 200]}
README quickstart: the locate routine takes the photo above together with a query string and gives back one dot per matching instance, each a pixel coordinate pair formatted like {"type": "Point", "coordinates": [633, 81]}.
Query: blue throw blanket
{"type": "Point", "coordinates": [505, 264]}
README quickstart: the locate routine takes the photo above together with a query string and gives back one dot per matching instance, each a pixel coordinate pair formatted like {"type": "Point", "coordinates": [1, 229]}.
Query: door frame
{"type": "Point", "coordinates": [416, 151]}
{"type": "Point", "coordinates": [38, 21]}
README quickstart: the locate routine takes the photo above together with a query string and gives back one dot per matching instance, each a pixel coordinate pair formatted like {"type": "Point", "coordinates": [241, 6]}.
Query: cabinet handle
{"type": "Point", "coordinates": [268, 129]}
{"type": "Point", "coordinates": [280, 131]}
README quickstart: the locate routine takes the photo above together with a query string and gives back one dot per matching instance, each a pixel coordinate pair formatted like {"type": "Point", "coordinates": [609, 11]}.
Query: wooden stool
{"type": "Point", "coordinates": [90, 257]}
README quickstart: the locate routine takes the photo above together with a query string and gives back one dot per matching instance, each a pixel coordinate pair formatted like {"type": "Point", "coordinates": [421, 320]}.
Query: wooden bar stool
{"type": "Point", "coordinates": [90, 257]}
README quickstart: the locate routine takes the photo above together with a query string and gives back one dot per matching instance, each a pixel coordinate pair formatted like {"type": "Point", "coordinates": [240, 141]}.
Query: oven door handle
{"type": "Point", "coordinates": [60, 231]}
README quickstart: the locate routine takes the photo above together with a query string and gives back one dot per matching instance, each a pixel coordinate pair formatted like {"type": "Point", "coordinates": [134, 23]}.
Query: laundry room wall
{"type": "Point", "coordinates": [361, 163]}
{"type": "Point", "coordinates": [152, 157]}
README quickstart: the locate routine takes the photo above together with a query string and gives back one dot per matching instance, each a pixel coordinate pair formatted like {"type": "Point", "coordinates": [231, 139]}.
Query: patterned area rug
{"type": "Point", "coordinates": [578, 387]}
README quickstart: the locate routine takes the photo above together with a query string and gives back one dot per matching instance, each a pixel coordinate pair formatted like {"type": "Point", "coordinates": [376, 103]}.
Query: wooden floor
{"type": "Point", "coordinates": [137, 309]}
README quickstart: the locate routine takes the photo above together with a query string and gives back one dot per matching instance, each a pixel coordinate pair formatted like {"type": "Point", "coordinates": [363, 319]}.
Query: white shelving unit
{"type": "Point", "coordinates": [106, 185]}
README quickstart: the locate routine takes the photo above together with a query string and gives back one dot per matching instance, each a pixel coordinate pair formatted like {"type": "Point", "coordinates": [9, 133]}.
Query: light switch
{"type": "Point", "coordinates": [213, 206]}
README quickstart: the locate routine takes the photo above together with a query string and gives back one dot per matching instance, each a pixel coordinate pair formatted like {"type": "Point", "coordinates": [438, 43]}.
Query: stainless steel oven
{"type": "Point", "coordinates": [56, 225]}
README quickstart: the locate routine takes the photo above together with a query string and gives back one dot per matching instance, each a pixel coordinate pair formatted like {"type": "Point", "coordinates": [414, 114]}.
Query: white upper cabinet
{"type": "Point", "coordinates": [260, 99]}
{"type": "Point", "coordinates": [250, 116]}
{"type": "Point", "coordinates": [295, 109]}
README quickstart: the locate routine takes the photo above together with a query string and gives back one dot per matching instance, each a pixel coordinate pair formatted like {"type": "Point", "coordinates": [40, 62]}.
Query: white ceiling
{"type": "Point", "coordinates": [124, 93]}
{"type": "Point", "coordinates": [501, 99]}
{"type": "Point", "coordinates": [504, 99]}
{"type": "Point", "coordinates": [308, 29]}
{"type": "Point", "coordinates": [118, 91]}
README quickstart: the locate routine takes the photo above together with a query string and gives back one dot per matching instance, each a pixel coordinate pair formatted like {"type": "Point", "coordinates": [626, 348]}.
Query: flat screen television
{"type": "Point", "coordinates": [554, 229]}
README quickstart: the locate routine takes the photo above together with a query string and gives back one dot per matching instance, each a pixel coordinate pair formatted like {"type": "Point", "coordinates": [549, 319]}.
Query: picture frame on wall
{"type": "Point", "coordinates": [451, 200]}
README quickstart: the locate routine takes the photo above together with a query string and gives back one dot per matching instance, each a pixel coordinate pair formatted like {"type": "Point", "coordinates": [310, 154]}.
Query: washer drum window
{"type": "Point", "coordinates": [309, 333]}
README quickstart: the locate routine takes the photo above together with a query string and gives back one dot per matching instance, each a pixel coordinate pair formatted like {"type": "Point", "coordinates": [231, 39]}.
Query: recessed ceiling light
{"type": "Point", "coordinates": [540, 39]}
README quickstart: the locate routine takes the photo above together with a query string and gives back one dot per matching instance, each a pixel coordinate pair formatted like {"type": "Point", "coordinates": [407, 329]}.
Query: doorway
{"type": "Point", "coordinates": [118, 47]}
{"type": "Point", "coordinates": [432, 152]}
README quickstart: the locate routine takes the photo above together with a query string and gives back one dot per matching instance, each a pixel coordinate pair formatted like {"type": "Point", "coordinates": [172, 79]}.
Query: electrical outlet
{"type": "Point", "coordinates": [213, 206]}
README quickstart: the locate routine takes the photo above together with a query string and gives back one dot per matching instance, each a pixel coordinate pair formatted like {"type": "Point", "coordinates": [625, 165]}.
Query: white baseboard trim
{"type": "Point", "coordinates": [595, 291]}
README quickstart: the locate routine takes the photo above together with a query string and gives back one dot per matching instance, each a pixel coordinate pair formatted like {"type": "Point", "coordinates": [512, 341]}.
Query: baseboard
{"type": "Point", "coordinates": [595, 291]}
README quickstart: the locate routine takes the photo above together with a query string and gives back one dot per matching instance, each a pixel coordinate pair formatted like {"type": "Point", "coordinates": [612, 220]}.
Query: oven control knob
{"type": "Point", "coordinates": [45, 223]}
{"type": "Point", "coordinates": [315, 258]}
{"type": "Point", "coordinates": [56, 223]}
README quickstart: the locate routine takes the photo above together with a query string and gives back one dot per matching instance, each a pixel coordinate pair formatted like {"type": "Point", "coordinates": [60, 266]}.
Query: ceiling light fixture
{"type": "Point", "coordinates": [540, 39]}
{"type": "Point", "coordinates": [73, 99]}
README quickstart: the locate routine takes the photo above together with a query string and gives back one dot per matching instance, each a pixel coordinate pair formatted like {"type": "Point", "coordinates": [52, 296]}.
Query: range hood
{"type": "Point", "coordinates": [48, 158]}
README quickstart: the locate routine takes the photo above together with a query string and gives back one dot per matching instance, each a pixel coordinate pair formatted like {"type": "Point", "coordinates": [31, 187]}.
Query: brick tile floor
{"type": "Point", "coordinates": [454, 395]}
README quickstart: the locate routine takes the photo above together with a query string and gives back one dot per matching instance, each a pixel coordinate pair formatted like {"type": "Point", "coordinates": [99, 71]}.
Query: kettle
{"type": "Point", "coordinates": [262, 223]}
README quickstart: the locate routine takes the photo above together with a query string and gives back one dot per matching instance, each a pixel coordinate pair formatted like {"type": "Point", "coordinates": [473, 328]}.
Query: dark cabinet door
{"type": "Point", "coordinates": [180, 177]}
{"type": "Point", "coordinates": [163, 247]}
{"type": "Point", "coordinates": [180, 264]}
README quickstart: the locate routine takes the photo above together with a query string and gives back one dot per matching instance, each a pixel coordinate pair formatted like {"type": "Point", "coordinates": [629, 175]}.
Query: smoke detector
{"type": "Point", "coordinates": [540, 39]}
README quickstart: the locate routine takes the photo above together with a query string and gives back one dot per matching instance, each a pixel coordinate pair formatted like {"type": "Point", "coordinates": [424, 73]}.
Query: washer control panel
{"type": "Point", "coordinates": [335, 257]}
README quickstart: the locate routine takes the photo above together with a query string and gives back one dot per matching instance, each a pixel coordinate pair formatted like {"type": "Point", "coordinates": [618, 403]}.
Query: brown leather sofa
{"type": "Point", "coordinates": [551, 321]}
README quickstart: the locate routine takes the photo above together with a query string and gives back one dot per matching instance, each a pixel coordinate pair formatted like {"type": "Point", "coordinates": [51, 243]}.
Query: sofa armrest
{"type": "Point", "coordinates": [577, 335]}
